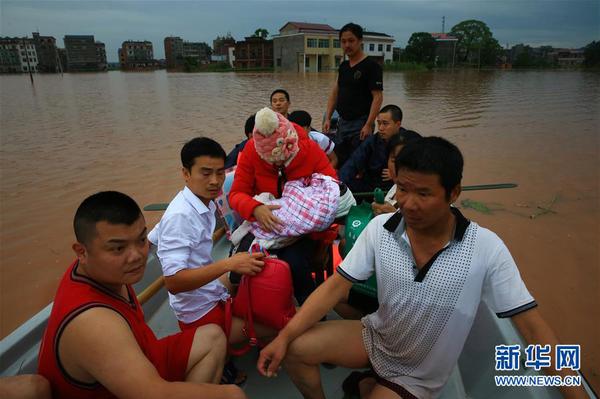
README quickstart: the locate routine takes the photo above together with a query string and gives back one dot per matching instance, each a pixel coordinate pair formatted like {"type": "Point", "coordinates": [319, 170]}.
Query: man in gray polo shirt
{"type": "Point", "coordinates": [433, 268]}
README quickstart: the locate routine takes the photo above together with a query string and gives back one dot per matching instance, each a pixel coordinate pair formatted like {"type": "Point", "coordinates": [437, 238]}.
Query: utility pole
{"type": "Point", "coordinates": [444, 24]}
{"type": "Point", "coordinates": [454, 54]}
{"type": "Point", "coordinates": [27, 58]}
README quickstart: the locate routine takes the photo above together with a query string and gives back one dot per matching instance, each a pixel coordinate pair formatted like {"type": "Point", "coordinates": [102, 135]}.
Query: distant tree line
{"type": "Point", "coordinates": [592, 54]}
{"type": "Point", "coordinates": [476, 46]}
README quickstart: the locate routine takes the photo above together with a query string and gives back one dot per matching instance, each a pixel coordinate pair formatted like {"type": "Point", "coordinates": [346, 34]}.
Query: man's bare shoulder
{"type": "Point", "coordinates": [90, 337]}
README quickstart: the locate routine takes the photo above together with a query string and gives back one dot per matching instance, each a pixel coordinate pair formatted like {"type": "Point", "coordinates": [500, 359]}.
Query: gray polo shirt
{"type": "Point", "coordinates": [415, 337]}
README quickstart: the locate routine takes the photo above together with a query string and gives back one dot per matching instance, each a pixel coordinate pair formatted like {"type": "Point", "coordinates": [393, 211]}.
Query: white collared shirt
{"type": "Point", "coordinates": [184, 240]}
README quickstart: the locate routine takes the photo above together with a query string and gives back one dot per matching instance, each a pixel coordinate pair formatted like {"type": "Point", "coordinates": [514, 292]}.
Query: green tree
{"type": "Point", "coordinates": [523, 58]}
{"type": "Point", "coordinates": [476, 43]}
{"type": "Point", "coordinates": [190, 64]}
{"type": "Point", "coordinates": [592, 54]}
{"type": "Point", "coordinates": [420, 48]}
{"type": "Point", "coordinates": [261, 32]}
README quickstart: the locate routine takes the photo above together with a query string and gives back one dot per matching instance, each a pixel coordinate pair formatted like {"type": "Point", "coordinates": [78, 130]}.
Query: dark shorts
{"type": "Point", "coordinates": [399, 389]}
{"type": "Point", "coordinates": [170, 355]}
{"type": "Point", "coordinates": [365, 303]}
{"type": "Point", "coordinates": [215, 316]}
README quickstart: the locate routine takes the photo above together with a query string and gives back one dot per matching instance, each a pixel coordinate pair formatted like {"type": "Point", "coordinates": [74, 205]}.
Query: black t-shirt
{"type": "Point", "coordinates": [355, 85]}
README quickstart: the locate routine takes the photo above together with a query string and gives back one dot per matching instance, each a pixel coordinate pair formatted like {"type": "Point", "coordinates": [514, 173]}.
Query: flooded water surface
{"type": "Point", "coordinates": [73, 135]}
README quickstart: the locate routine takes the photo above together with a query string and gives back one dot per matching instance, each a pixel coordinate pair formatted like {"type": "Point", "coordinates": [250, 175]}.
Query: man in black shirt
{"type": "Point", "coordinates": [357, 94]}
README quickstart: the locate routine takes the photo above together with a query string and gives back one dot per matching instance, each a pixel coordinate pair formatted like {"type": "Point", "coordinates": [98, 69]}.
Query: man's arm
{"type": "Point", "coordinates": [331, 102]}
{"type": "Point", "coordinates": [323, 299]}
{"type": "Point", "coordinates": [367, 129]}
{"type": "Point", "coordinates": [98, 344]}
{"type": "Point", "coordinates": [535, 330]}
{"type": "Point", "coordinates": [191, 279]}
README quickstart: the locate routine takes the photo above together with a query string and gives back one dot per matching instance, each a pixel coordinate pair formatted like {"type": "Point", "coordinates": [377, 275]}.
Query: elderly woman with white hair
{"type": "Point", "coordinates": [279, 151]}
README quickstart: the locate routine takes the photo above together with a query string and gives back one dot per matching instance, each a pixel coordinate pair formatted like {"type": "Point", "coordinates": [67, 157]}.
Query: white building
{"type": "Point", "coordinates": [379, 46]}
{"type": "Point", "coordinates": [18, 55]}
{"type": "Point", "coordinates": [29, 59]}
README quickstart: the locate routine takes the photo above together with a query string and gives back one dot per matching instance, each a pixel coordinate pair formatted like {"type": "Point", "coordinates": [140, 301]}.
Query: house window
{"type": "Point", "coordinates": [336, 43]}
{"type": "Point", "coordinates": [371, 47]}
{"type": "Point", "coordinates": [388, 47]}
{"type": "Point", "coordinates": [323, 43]}
{"type": "Point", "coordinates": [380, 47]}
{"type": "Point", "coordinates": [311, 42]}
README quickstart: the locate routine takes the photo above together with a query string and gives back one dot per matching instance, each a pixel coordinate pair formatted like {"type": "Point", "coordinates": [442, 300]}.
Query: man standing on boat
{"type": "Point", "coordinates": [97, 344]}
{"type": "Point", "coordinates": [433, 268]}
{"type": "Point", "coordinates": [357, 94]}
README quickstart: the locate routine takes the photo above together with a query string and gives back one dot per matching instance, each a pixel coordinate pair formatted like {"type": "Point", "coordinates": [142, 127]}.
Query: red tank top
{"type": "Point", "coordinates": [76, 294]}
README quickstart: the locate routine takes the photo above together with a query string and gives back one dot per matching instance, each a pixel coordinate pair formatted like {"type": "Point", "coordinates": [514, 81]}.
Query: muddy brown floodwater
{"type": "Point", "coordinates": [74, 135]}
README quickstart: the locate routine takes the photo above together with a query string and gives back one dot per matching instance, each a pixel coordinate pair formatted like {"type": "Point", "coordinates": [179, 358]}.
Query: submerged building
{"type": "Point", "coordinates": [84, 54]}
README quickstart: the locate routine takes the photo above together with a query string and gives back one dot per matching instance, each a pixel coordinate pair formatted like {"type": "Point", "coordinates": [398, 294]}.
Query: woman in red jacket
{"type": "Point", "coordinates": [279, 151]}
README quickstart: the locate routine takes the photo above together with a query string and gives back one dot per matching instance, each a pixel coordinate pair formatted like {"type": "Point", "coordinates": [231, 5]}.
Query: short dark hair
{"type": "Point", "coordinates": [353, 28]}
{"type": "Point", "coordinates": [401, 138]}
{"type": "Point", "coordinates": [394, 110]}
{"type": "Point", "coordinates": [433, 155]}
{"type": "Point", "coordinates": [301, 118]}
{"type": "Point", "coordinates": [200, 146]}
{"type": "Point", "coordinates": [285, 93]}
{"type": "Point", "coordinates": [249, 125]}
{"type": "Point", "coordinates": [108, 206]}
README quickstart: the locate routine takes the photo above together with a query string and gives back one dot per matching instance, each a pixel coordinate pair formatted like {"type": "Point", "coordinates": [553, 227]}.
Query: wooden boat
{"type": "Point", "coordinates": [473, 376]}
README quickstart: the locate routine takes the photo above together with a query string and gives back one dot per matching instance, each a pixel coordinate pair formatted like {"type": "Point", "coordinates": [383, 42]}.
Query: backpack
{"type": "Point", "coordinates": [266, 297]}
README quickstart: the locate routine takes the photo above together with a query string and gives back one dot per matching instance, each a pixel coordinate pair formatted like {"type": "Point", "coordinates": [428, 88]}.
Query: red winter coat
{"type": "Point", "coordinates": [254, 175]}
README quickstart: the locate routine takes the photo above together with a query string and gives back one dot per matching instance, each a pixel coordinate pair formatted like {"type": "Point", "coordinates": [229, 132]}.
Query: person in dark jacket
{"type": "Point", "coordinates": [366, 169]}
{"type": "Point", "coordinates": [233, 156]}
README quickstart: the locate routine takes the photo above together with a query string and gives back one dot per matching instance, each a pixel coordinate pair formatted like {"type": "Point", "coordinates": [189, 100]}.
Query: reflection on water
{"type": "Point", "coordinates": [70, 136]}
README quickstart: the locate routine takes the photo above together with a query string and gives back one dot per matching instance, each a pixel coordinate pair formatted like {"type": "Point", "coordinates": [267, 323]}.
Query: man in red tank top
{"type": "Point", "coordinates": [97, 344]}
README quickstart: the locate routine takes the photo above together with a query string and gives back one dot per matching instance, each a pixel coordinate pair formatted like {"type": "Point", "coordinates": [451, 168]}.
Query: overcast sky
{"type": "Point", "coordinates": [572, 23]}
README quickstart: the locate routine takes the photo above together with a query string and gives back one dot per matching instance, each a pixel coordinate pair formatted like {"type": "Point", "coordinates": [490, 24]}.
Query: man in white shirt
{"type": "Point", "coordinates": [304, 120]}
{"type": "Point", "coordinates": [194, 280]}
{"type": "Point", "coordinates": [433, 267]}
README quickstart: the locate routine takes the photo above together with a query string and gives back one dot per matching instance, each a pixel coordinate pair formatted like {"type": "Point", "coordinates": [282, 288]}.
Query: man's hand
{"type": "Point", "coordinates": [247, 263]}
{"type": "Point", "coordinates": [266, 219]}
{"type": "Point", "coordinates": [378, 209]}
{"type": "Point", "coordinates": [326, 126]}
{"type": "Point", "coordinates": [385, 175]}
{"type": "Point", "coordinates": [366, 131]}
{"type": "Point", "coordinates": [271, 356]}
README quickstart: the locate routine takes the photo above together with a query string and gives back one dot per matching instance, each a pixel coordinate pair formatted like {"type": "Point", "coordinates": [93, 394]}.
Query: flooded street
{"type": "Point", "coordinates": [74, 135]}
